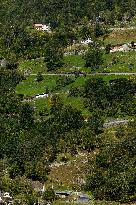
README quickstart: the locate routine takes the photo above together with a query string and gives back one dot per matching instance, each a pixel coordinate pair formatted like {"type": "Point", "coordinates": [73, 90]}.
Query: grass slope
{"type": "Point", "coordinates": [70, 176]}
{"type": "Point", "coordinates": [121, 36]}
{"type": "Point", "coordinates": [124, 62]}
{"type": "Point", "coordinates": [113, 62]}
{"type": "Point", "coordinates": [35, 66]}
{"type": "Point", "coordinates": [30, 87]}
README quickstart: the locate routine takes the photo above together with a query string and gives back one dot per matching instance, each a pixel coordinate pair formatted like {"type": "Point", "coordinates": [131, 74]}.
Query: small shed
{"type": "Point", "coordinates": [42, 27]}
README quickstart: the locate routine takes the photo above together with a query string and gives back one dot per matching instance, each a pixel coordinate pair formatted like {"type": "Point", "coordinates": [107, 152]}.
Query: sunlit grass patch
{"type": "Point", "coordinates": [71, 175]}
{"type": "Point", "coordinates": [31, 87]}
{"type": "Point", "coordinates": [121, 36]}
{"type": "Point", "coordinates": [120, 62]}
{"type": "Point", "coordinates": [74, 60]}
{"type": "Point", "coordinates": [35, 66]}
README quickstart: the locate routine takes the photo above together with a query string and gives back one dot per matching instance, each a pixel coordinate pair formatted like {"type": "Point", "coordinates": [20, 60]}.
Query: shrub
{"type": "Point", "coordinates": [74, 91]}
{"type": "Point", "coordinates": [39, 77]}
{"type": "Point", "coordinates": [93, 57]}
{"type": "Point", "coordinates": [49, 195]}
{"type": "Point", "coordinates": [63, 157]}
{"type": "Point", "coordinates": [63, 81]}
{"type": "Point", "coordinates": [107, 48]}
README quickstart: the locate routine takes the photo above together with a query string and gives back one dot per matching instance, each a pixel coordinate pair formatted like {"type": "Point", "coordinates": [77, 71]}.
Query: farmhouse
{"type": "Point", "coordinates": [42, 27]}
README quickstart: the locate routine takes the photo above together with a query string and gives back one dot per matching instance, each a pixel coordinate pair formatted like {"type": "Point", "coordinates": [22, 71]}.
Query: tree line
{"type": "Point", "coordinates": [68, 12]}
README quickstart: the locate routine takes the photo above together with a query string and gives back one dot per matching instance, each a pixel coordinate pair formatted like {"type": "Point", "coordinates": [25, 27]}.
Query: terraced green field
{"type": "Point", "coordinates": [30, 87]}
{"type": "Point", "coordinates": [120, 62]}
{"type": "Point", "coordinates": [113, 62]}
{"type": "Point", "coordinates": [35, 66]}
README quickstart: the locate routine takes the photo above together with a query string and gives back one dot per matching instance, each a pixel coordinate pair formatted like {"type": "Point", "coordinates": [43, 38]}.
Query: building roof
{"type": "Point", "coordinates": [37, 25]}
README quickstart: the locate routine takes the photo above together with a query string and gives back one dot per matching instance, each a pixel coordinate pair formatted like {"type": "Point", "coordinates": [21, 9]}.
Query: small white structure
{"type": "Point", "coordinates": [44, 95]}
{"type": "Point", "coordinates": [87, 41]}
{"type": "Point", "coordinates": [42, 27]}
{"type": "Point", "coordinates": [27, 72]}
{"type": "Point", "coordinates": [125, 47]}
{"type": "Point", "coordinates": [7, 198]}
{"type": "Point", "coordinates": [46, 28]}
{"type": "Point", "coordinates": [43, 189]}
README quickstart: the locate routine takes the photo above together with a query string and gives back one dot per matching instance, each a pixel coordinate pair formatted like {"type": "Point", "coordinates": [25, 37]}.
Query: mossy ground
{"type": "Point", "coordinates": [70, 175]}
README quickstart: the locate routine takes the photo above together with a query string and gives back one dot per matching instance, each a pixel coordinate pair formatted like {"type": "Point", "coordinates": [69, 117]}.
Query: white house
{"type": "Point", "coordinates": [42, 27]}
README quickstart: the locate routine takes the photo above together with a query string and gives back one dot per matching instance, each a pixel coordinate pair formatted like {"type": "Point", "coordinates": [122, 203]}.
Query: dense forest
{"type": "Point", "coordinates": [30, 143]}
{"type": "Point", "coordinates": [69, 21]}
{"type": "Point", "coordinates": [31, 140]}
{"type": "Point", "coordinates": [67, 13]}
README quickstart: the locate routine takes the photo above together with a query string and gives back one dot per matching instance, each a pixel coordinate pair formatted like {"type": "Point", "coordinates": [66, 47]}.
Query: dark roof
{"type": "Point", "coordinates": [65, 193]}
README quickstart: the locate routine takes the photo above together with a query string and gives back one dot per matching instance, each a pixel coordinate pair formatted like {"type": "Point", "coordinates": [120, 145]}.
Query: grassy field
{"type": "Point", "coordinates": [120, 62]}
{"type": "Point", "coordinates": [121, 36]}
{"type": "Point", "coordinates": [74, 60]}
{"type": "Point", "coordinates": [113, 62]}
{"type": "Point", "coordinates": [31, 87]}
{"type": "Point", "coordinates": [70, 176]}
{"type": "Point", "coordinates": [35, 66]}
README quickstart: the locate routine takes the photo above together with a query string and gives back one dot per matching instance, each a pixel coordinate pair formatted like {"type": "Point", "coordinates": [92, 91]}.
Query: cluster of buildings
{"type": "Point", "coordinates": [5, 198]}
